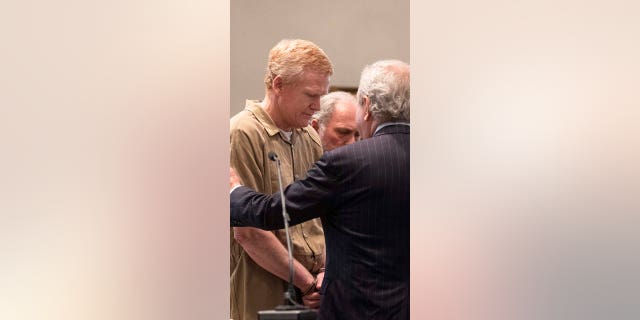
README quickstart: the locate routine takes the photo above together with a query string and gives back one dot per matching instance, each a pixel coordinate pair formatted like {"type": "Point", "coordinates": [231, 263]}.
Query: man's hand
{"type": "Point", "coordinates": [319, 277]}
{"type": "Point", "coordinates": [234, 180]}
{"type": "Point", "coordinates": [312, 300]}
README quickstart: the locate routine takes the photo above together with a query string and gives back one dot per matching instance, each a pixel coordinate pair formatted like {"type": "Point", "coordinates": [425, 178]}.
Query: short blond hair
{"type": "Point", "coordinates": [290, 58]}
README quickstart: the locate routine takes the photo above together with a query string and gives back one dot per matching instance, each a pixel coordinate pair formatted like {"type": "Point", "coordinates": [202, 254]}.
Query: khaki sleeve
{"type": "Point", "coordinates": [247, 159]}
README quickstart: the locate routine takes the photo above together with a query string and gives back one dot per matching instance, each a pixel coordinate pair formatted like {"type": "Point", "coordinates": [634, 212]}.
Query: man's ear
{"type": "Point", "coordinates": [366, 103]}
{"type": "Point", "coordinates": [315, 124]}
{"type": "Point", "coordinates": [277, 84]}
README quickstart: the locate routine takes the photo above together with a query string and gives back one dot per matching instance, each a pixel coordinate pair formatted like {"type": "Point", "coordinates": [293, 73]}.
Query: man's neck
{"type": "Point", "coordinates": [269, 106]}
{"type": "Point", "coordinates": [374, 126]}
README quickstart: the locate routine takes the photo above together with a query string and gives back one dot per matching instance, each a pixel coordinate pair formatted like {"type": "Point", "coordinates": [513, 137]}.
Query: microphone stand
{"type": "Point", "coordinates": [290, 309]}
{"type": "Point", "coordinates": [290, 294]}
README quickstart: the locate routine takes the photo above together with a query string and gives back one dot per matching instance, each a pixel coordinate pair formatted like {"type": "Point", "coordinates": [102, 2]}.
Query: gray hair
{"type": "Point", "coordinates": [386, 83]}
{"type": "Point", "coordinates": [328, 103]}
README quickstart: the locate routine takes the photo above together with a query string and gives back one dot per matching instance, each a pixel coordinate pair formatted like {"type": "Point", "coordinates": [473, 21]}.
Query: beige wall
{"type": "Point", "coordinates": [352, 33]}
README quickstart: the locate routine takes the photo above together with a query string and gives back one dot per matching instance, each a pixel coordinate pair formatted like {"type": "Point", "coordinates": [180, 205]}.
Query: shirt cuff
{"type": "Point", "coordinates": [236, 187]}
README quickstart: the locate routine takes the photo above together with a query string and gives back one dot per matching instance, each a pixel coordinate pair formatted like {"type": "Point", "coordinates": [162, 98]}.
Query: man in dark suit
{"type": "Point", "coordinates": [361, 193]}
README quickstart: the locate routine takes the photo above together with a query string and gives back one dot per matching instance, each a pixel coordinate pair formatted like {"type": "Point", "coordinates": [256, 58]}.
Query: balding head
{"type": "Point", "coordinates": [336, 122]}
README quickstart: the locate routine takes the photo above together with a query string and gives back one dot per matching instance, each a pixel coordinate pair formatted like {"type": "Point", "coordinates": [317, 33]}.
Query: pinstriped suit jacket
{"type": "Point", "coordinates": [361, 193]}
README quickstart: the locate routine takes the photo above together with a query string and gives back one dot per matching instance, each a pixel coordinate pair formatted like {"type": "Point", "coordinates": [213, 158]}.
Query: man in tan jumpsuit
{"type": "Point", "coordinates": [297, 76]}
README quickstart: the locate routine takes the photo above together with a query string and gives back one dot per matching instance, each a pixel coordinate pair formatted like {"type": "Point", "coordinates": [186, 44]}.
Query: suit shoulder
{"type": "Point", "coordinates": [362, 148]}
{"type": "Point", "coordinates": [350, 151]}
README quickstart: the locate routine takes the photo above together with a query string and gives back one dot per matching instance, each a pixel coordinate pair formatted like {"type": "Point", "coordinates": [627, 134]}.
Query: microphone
{"type": "Point", "coordinates": [290, 294]}
{"type": "Point", "coordinates": [274, 157]}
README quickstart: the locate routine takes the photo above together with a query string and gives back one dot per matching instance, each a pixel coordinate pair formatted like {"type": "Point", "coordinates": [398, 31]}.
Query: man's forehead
{"type": "Point", "coordinates": [343, 111]}
{"type": "Point", "coordinates": [322, 87]}
{"type": "Point", "coordinates": [312, 76]}
{"type": "Point", "coordinates": [315, 89]}
{"type": "Point", "coordinates": [344, 107]}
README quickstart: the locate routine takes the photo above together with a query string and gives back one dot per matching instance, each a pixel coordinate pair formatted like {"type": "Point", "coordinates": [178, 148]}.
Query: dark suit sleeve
{"type": "Point", "coordinates": [305, 199]}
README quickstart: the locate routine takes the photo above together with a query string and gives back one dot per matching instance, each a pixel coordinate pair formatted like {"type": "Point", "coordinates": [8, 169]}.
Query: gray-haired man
{"type": "Point", "coordinates": [336, 120]}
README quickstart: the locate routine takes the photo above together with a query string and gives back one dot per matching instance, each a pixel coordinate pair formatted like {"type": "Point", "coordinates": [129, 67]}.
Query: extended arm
{"type": "Point", "coordinates": [305, 199]}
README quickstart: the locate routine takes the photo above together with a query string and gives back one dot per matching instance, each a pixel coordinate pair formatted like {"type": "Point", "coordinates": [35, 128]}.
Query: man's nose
{"type": "Point", "coordinates": [315, 105]}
